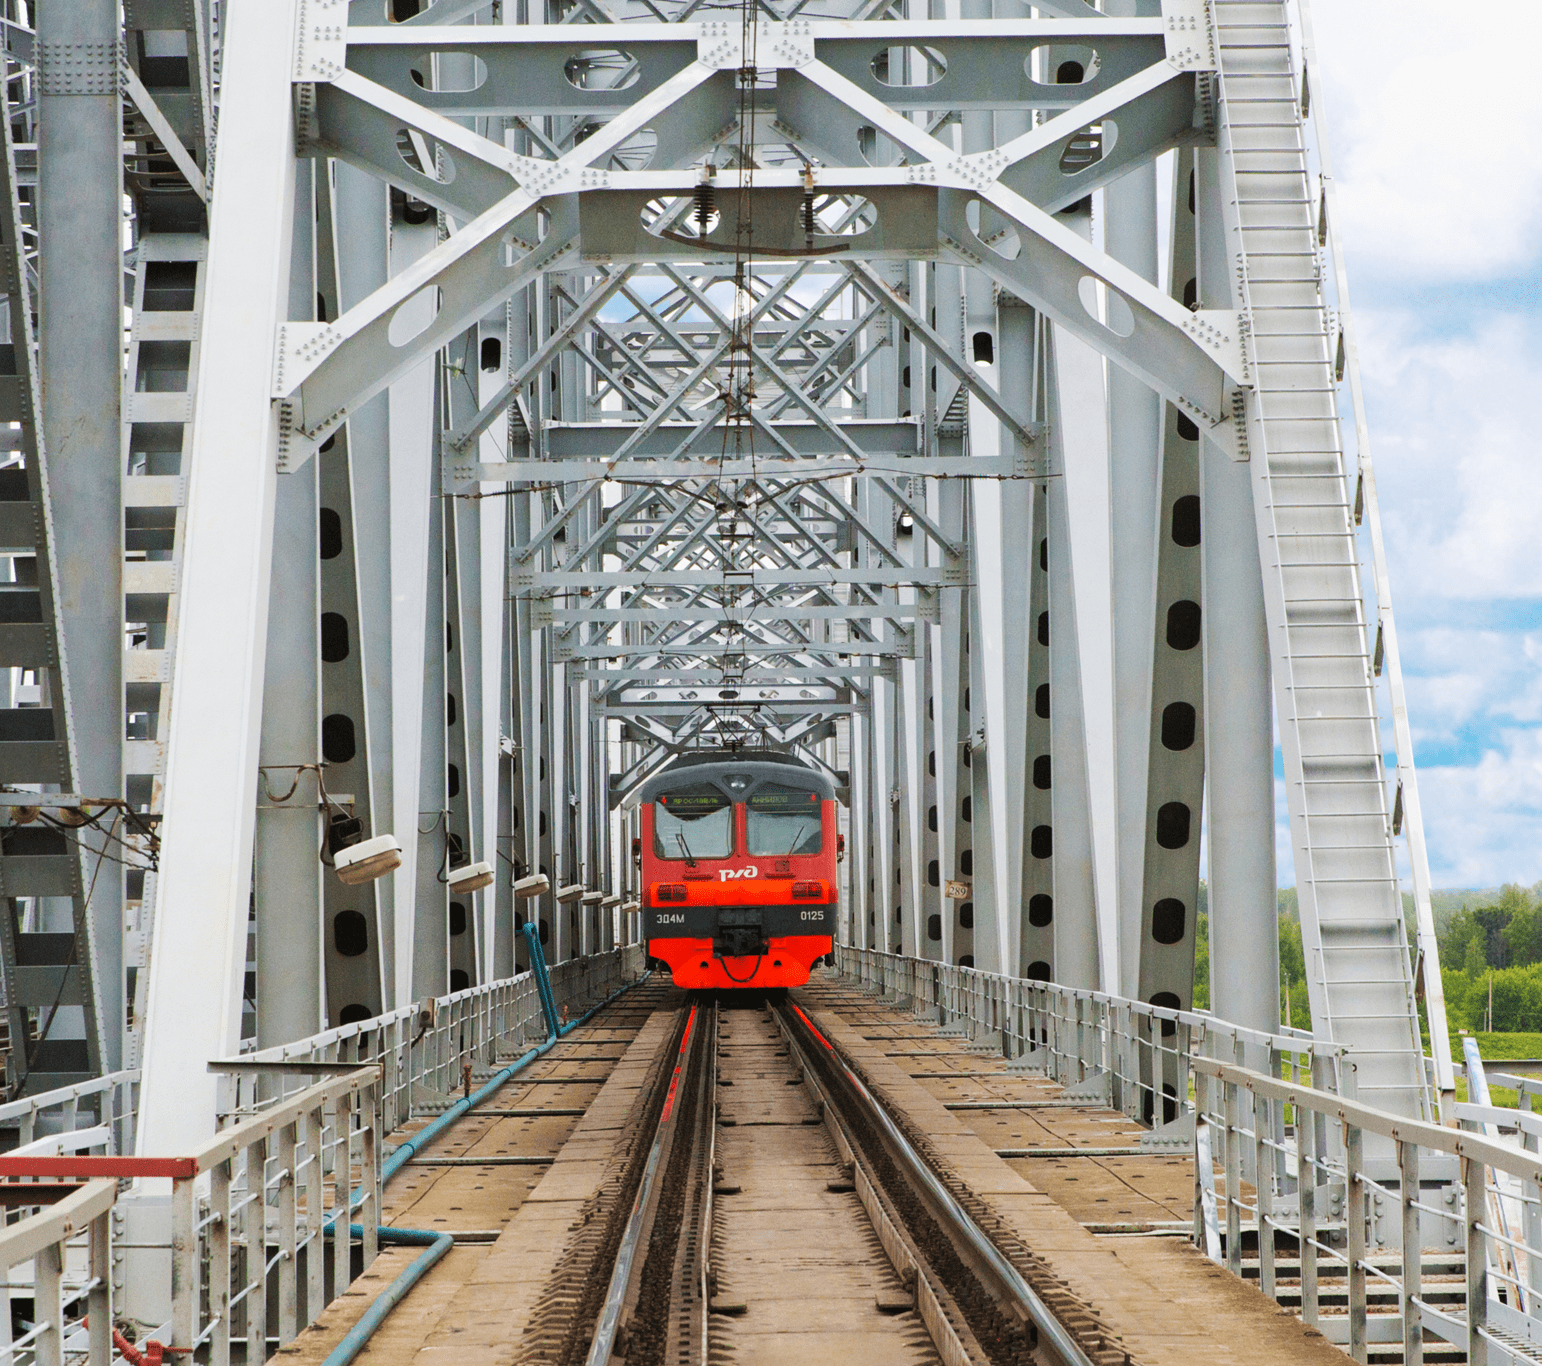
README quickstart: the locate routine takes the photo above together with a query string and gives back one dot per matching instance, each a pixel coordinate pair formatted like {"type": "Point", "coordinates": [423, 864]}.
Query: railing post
{"type": "Point", "coordinates": [1354, 1219]}
{"type": "Point", "coordinates": [342, 1184]}
{"type": "Point", "coordinates": [48, 1305]}
{"type": "Point", "coordinates": [369, 1157]}
{"type": "Point", "coordinates": [99, 1301]}
{"type": "Point", "coordinates": [1475, 1192]}
{"type": "Point", "coordinates": [1264, 1167]}
{"type": "Point", "coordinates": [1412, 1279]}
{"type": "Point", "coordinates": [219, 1262]}
{"type": "Point", "coordinates": [1233, 1167]}
{"type": "Point", "coordinates": [184, 1264]}
{"type": "Point", "coordinates": [255, 1221]}
{"type": "Point", "coordinates": [1306, 1204]}
{"type": "Point", "coordinates": [315, 1203]}
{"type": "Point", "coordinates": [288, 1281]}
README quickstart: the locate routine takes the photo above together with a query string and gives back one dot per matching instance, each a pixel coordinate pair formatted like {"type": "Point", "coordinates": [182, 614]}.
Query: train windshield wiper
{"type": "Point", "coordinates": [793, 846]}
{"type": "Point", "coordinates": [685, 849]}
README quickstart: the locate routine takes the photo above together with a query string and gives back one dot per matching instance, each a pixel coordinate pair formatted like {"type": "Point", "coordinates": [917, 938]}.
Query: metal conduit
{"type": "Point", "coordinates": [438, 1244]}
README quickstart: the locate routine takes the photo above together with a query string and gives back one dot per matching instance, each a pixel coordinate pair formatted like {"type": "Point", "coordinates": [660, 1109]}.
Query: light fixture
{"type": "Point", "coordinates": [574, 891]}
{"type": "Point", "coordinates": [537, 884]}
{"type": "Point", "coordinates": [472, 878]}
{"type": "Point", "coordinates": [367, 860]}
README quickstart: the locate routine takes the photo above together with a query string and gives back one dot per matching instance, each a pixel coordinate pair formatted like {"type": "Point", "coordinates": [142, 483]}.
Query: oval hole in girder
{"type": "Point", "coordinates": [1172, 825]}
{"type": "Point", "coordinates": [449, 73]}
{"type": "Point", "coordinates": [431, 160]}
{"type": "Point", "coordinates": [909, 66]}
{"type": "Point", "coordinates": [1179, 721]}
{"type": "Point", "coordinates": [1167, 1000]}
{"type": "Point", "coordinates": [414, 315]}
{"type": "Point", "coordinates": [1169, 917]}
{"type": "Point", "coordinates": [638, 151]}
{"type": "Point", "coordinates": [601, 68]}
{"type": "Point", "coordinates": [1183, 624]}
{"type": "Point", "coordinates": [1041, 910]}
{"type": "Point", "coordinates": [1106, 307]}
{"type": "Point", "coordinates": [1038, 971]}
{"type": "Point", "coordinates": [350, 933]}
{"type": "Point", "coordinates": [1088, 146]}
{"type": "Point", "coordinates": [992, 230]}
{"type": "Point", "coordinates": [841, 215]}
{"type": "Point", "coordinates": [1062, 64]}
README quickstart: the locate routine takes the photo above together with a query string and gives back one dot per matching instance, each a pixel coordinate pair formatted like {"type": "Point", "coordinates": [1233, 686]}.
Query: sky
{"type": "Point", "coordinates": [1433, 115]}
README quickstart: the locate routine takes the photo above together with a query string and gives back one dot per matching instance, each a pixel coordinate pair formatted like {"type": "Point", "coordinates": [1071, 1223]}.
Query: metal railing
{"type": "Point", "coordinates": [106, 1104]}
{"type": "Point", "coordinates": [276, 1184]}
{"type": "Point", "coordinates": [1134, 1055]}
{"type": "Point", "coordinates": [244, 1256]}
{"type": "Point", "coordinates": [1368, 1198]}
{"type": "Point", "coordinates": [65, 1250]}
{"type": "Point", "coordinates": [424, 1049]}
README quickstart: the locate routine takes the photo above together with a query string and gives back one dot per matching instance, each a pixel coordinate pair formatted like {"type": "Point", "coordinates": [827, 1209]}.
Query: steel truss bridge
{"type": "Point", "coordinates": [439, 416]}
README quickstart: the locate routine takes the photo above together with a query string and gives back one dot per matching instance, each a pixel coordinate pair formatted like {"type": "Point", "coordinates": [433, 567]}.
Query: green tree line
{"type": "Point", "coordinates": [1494, 949]}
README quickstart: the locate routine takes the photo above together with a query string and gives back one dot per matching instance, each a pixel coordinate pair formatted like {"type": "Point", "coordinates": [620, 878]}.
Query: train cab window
{"type": "Point", "coordinates": [783, 820]}
{"type": "Point", "coordinates": [693, 823]}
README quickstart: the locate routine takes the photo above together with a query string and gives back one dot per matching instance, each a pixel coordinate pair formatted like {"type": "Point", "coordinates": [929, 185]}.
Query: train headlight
{"type": "Point", "coordinates": [670, 891]}
{"type": "Point", "coordinates": [808, 891]}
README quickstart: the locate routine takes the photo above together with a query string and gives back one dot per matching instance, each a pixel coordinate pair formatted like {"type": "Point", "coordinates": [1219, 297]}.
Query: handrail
{"type": "Point", "coordinates": [228, 1142]}
{"type": "Point", "coordinates": [23, 1240]}
{"type": "Point", "coordinates": [63, 1095]}
{"type": "Point", "coordinates": [1437, 1137]}
{"type": "Point", "coordinates": [1289, 1040]}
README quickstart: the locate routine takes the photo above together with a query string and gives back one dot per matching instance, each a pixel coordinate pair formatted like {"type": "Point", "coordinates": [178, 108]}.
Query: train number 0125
{"type": "Point", "coordinates": [728, 874]}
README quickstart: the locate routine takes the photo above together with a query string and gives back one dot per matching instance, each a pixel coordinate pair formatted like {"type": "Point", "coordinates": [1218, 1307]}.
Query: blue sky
{"type": "Point", "coordinates": [1434, 114]}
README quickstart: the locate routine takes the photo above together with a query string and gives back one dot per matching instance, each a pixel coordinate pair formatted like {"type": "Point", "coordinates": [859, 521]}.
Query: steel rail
{"type": "Point", "coordinates": [1002, 1279]}
{"type": "Point", "coordinates": [604, 1342]}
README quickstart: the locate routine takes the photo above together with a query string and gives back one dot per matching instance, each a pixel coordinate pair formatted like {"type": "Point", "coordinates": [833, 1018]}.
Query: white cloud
{"type": "Point", "coordinates": [1481, 821]}
{"type": "Point", "coordinates": [1456, 454]}
{"type": "Point", "coordinates": [1432, 108]}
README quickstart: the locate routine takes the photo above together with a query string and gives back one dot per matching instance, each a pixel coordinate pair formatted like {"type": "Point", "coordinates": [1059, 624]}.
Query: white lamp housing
{"type": "Point", "coordinates": [537, 884]}
{"type": "Point", "coordinates": [612, 900]}
{"type": "Point", "coordinates": [592, 898]}
{"type": "Point", "coordinates": [472, 878]}
{"type": "Point", "coordinates": [574, 891]}
{"type": "Point", "coordinates": [367, 860]}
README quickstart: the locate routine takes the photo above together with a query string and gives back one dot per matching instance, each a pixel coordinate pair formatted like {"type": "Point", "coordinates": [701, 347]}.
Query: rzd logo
{"type": "Point", "coordinates": [728, 874]}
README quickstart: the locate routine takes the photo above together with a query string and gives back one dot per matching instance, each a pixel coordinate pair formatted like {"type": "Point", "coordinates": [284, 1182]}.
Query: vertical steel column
{"type": "Point", "coordinates": [361, 220]}
{"type": "Point", "coordinates": [287, 870]}
{"type": "Point", "coordinates": [1076, 961]}
{"type": "Point", "coordinates": [80, 339]}
{"type": "Point", "coordinates": [1239, 735]}
{"type": "Point", "coordinates": [194, 1004]}
{"type": "Point", "coordinates": [1135, 417]}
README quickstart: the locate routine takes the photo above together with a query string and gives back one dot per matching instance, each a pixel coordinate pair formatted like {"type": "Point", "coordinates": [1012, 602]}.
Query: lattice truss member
{"type": "Point", "coordinates": [665, 376]}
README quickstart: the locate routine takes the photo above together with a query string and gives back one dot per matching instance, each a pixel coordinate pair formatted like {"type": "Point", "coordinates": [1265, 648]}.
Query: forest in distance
{"type": "Point", "coordinates": [1489, 938]}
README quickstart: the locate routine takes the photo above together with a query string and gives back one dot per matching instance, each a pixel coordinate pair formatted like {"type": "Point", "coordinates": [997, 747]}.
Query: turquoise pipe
{"type": "Point", "coordinates": [399, 1156]}
{"type": "Point", "coordinates": [437, 1244]}
{"type": "Point", "coordinates": [357, 1338]}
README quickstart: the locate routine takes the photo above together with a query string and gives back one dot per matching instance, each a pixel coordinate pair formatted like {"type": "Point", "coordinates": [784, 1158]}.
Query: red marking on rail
{"type": "Point", "coordinates": [674, 1081]}
{"type": "Point", "coordinates": [826, 1042]}
{"type": "Point", "coordinates": [178, 1168]}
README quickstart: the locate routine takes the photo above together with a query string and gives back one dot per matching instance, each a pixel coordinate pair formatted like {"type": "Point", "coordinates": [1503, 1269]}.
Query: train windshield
{"type": "Point", "coordinates": [696, 822]}
{"type": "Point", "coordinates": [784, 820]}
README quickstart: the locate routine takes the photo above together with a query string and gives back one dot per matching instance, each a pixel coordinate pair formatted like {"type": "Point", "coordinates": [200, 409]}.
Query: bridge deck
{"type": "Point", "coordinates": [1167, 1303]}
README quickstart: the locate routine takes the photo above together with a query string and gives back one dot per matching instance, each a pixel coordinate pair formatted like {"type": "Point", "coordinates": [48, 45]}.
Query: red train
{"type": "Point", "coordinates": [738, 854]}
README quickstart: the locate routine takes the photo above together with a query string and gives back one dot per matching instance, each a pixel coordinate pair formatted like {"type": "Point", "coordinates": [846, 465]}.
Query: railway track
{"type": "Point", "coordinates": [770, 1209]}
